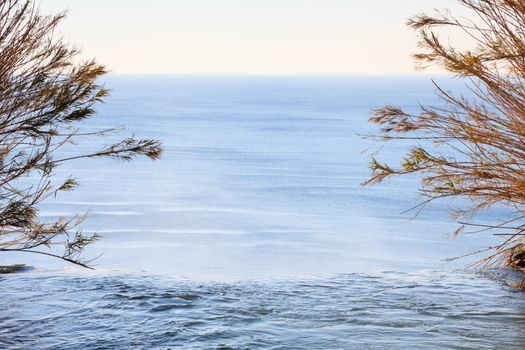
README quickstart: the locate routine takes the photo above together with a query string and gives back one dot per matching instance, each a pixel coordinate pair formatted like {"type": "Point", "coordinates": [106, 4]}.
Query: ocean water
{"type": "Point", "coordinates": [253, 230]}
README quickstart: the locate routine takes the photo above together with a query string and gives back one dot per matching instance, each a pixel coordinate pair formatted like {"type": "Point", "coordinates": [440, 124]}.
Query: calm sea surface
{"type": "Point", "coordinates": [253, 230]}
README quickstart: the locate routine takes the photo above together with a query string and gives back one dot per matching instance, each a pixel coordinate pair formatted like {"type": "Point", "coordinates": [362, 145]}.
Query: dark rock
{"type": "Point", "coordinates": [14, 268]}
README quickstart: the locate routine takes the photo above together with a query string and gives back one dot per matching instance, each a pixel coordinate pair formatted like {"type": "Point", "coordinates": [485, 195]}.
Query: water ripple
{"type": "Point", "coordinates": [427, 310]}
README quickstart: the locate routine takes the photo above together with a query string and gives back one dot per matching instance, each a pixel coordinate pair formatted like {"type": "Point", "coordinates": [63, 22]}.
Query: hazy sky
{"type": "Point", "coordinates": [246, 36]}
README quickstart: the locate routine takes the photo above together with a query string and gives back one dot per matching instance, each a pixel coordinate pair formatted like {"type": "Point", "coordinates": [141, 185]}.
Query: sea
{"type": "Point", "coordinates": [253, 231]}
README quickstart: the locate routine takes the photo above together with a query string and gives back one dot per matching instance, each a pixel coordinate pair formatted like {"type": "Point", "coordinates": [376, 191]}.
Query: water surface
{"type": "Point", "coordinates": [253, 230]}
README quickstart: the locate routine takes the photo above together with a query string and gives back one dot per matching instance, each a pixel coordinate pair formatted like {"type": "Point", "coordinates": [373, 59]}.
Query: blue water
{"type": "Point", "coordinates": [253, 230]}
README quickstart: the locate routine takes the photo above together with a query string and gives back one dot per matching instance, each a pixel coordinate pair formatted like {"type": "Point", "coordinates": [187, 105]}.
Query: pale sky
{"type": "Point", "coordinates": [246, 36]}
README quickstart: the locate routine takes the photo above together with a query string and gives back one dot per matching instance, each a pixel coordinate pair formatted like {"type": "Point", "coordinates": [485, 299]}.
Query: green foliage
{"type": "Point", "coordinates": [44, 94]}
{"type": "Point", "coordinates": [480, 140]}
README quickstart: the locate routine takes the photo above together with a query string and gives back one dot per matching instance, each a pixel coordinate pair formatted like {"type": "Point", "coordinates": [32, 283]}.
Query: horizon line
{"type": "Point", "coordinates": [282, 74]}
